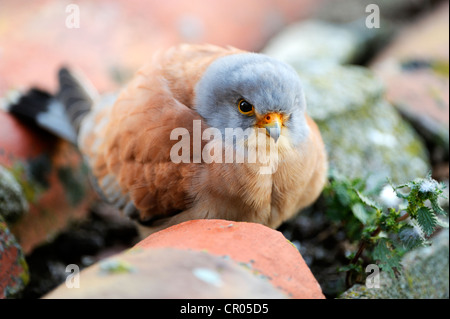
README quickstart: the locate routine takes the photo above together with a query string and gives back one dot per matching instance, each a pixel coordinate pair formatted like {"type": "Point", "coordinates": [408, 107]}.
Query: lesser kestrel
{"type": "Point", "coordinates": [194, 94]}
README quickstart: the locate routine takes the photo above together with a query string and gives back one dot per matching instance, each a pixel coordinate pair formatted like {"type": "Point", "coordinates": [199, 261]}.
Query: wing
{"type": "Point", "coordinates": [127, 144]}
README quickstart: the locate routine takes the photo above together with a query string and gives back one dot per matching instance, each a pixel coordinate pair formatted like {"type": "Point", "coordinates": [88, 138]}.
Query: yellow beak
{"type": "Point", "coordinates": [272, 122]}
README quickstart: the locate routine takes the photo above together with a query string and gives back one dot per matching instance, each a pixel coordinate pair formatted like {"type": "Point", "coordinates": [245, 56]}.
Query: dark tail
{"type": "Point", "coordinates": [61, 114]}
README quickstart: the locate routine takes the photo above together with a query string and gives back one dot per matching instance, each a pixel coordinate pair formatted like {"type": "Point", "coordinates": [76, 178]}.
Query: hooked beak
{"type": "Point", "coordinates": [272, 122]}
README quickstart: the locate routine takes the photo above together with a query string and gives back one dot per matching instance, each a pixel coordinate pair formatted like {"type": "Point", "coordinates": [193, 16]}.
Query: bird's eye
{"type": "Point", "coordinates": [245, 107]}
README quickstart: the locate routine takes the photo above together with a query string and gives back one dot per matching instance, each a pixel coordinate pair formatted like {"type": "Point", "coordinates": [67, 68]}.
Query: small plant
{"type": "Point", "coordinates": [384, 234]}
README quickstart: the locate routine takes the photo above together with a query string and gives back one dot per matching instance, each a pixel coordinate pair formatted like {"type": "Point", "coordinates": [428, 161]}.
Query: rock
{"type": "Point", "coordinates": [315, 42]}
{"type": "Point", "coordinates": [319, 44]}
{"type": "Point", "coordinates": [103, 233]}
{"type": "Point", "coordinates": [257, 247]}
{"type": "Point", "coordinates": [119, 37]}
{"type": "Point", "coordinates": [426, 275]}
{"type": "Point", "coordinates": [52, 177]}
{"type": "Point", "coordinates": [415, 69]}
{"type": "Point", "coordinates": [13, 267]}
{"type": "Point", "coordinates": [168, 274]}
{"type": "Point", "coordinates": [364, 135]}
{"type": "Point", "coordinates": [397, 12]}
{"type": "Point", "coordinates": [12, 199]}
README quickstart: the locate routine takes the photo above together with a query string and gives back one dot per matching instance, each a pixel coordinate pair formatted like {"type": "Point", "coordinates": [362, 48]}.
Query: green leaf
{"type": "Point", "coordinates": [409, 185]}
{"type": "Point", "coordinates": [427, 220]}
{"type": "Point", "coordinates": [361, 213]}
{"type": "Point", "coordinates": [401, 195]}
{"type": "Point", "coordinates": [342, 194]}
{"type": "Point", "coordinates": [397, 188]}
{"type": "Point", "coordinates": [388, 259]}
{"type": "Point", "coordinates": [436, 207]}
{"type": "Point", "coordinates": [391, 265]}
{"type": "Point", "coordinates": [354, 267]}
{"type": "Point", "coordinates": [381, 250]}
{"type": "Point", "coordinates": [366, 200]}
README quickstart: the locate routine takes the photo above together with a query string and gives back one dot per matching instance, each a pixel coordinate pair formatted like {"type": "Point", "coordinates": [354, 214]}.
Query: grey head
{"type": "Point", "coordinates": [267, 85]}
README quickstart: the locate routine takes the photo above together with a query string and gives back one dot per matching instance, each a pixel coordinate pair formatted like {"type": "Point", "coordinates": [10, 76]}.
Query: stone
{"type": "Point", "coordinates": [312, 44]}
{"type": "Point", "coordinates": [364, 135]}
{"type": "Point", "coordinates": [48, 174]}
{"type": "Point", "coordinates": [167, 273]}
{"type": "Point", "coordinates": [119, 37]}
{"type": "Point", "coordinates": [13, 267]}
{"type": "Point", "coordinates": [393, 12]}
{"type": "Point", "coordinates": [425, 275]}
{"type": "Point", "coordinates": [257, 247]}
{"type": "Point", "coordinates": [315, 42]}
{"type": "Point", "coordinates": [415, 69]}
{"type": "Point", "coordinates": [103, 233]}
{"type": "Point", "coordinates": [12, 199]}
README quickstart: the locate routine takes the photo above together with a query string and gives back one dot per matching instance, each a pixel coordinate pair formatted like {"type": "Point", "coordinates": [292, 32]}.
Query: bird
{"type": "Point", "coordinates": [127, 138]}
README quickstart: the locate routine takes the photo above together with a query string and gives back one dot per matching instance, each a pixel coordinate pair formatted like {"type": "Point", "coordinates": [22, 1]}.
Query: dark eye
{"type": "Point", "coordinates": [245, 107]}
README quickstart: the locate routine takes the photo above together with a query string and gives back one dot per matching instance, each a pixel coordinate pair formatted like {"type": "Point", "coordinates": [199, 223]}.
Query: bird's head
{"type": "Point", "coordinates": [251, 90]}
